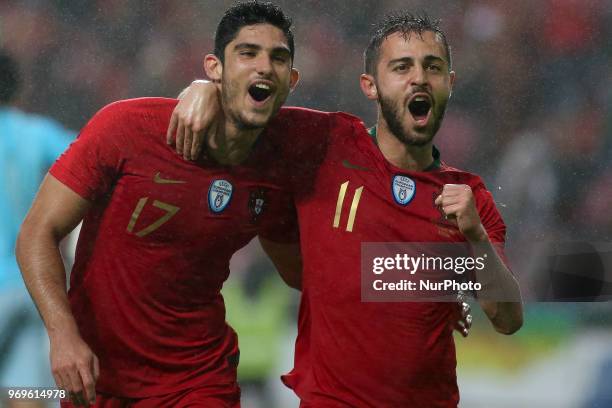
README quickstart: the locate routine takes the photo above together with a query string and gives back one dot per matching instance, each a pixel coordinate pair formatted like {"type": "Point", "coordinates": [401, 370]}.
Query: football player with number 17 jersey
{"type": "Point", "coordinates": [143, 323]}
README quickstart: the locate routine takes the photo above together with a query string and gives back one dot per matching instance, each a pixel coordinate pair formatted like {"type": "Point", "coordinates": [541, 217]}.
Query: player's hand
{"type": "Point", "coordinates": [197, 113]}
{"type": "Point", "coordinates": [75, 367]}
{"type": "Point", "coordinates": [464, 323]}
{"type": "Point", "coordinates": [457, 203]}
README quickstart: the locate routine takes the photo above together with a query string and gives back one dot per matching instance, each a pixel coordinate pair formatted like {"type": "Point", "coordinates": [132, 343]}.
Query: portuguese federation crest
{"type": "Point", "coordinates": [219, 195]}
{"type": "Point", "coordinates": [257, 203]}
{"type": "Point", "coordinates": [403, 189]}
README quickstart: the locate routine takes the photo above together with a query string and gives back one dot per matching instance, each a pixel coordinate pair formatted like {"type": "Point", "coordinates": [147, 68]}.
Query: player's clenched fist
{"type": "Point", "coordinates": [457, 202]}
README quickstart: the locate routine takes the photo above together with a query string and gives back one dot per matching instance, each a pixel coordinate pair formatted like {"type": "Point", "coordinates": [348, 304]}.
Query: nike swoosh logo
{"type": "Point", "coordinates": [160, 180]}
{"type": "Point", "coordinates": [350, 165]}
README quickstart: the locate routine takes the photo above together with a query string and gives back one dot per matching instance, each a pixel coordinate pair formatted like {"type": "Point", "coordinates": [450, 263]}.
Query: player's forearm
{"type": "Point", "coordinates": [500, 296]}
{"type": "Point", "coordinates": [287, 259]}
{"type": "Point", "coordinates": [43, 271]}
{"type": "Point", "coordinates": [506, 317]}
{"type": "Point", "coordinates": [197, 82]}
{"type": "Point", "coordinates": [292, 279]}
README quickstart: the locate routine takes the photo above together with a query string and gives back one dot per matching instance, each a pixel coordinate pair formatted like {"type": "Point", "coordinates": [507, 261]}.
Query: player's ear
{"type": "Point", "coordinates": [452, 82]}
{"type": "Point", "coordinates": [294, 79]}
{"type": "Point", "coordinates": [368, 86]}
{"type": "Point", "coordinates": [213, 67]}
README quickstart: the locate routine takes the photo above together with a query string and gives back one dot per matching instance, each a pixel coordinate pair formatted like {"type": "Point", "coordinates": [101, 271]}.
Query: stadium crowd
{"type": "Point", "coordinates": [530, 111]}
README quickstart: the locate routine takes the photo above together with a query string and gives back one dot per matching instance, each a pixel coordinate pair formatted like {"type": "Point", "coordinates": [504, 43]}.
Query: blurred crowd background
{"type": "Point", "coordinates": [531, 112]}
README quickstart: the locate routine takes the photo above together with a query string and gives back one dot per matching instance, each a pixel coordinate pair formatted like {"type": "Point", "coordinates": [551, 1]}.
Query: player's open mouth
{"type": "Point", "coordinates": [260, 92]}
{"type": "Point", "coordinates": [420, 108]}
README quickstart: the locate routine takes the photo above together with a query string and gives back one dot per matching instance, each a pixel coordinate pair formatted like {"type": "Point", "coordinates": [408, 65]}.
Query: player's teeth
{"type": "Point", "coordinates": [262, 86]}
{"type": "Point", "coordinates": [420, 99]}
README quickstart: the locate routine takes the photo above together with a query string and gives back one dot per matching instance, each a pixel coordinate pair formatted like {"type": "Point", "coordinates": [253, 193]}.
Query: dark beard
{"type": "Point", "coordinates": [391, 115]}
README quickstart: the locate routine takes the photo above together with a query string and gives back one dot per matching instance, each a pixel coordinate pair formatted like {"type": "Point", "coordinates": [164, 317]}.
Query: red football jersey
{"type": "Point", "coordinates": [154, 249]}
{"type": "Point", "coordinates": [349, 352]}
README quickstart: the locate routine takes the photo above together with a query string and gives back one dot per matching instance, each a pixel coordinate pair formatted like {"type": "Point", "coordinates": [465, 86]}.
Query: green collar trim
{"type": "Point", "coordinates": [435, 152]}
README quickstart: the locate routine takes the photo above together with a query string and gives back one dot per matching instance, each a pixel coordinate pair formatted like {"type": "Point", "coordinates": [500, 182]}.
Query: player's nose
{"type": "Point", "coordinates": [419, 77]}
{"type": "Point", "coordinates": [263, 65]}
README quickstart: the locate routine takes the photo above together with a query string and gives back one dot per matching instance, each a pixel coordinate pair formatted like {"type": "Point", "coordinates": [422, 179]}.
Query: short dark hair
{"type": "Point", "coordinates": [9, 77]}
{"type": "Point", "coordinates": [250, 13]}
{"type": "Point", "coordinates": [404, 23]}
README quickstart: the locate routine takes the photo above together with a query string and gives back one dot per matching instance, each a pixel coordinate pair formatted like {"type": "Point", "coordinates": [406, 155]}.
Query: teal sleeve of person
{"type": "Point", "coordinates": [28, 146]}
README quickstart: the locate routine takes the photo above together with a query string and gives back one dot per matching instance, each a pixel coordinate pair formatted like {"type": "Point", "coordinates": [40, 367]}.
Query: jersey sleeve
{"type": "Point", "coordinates": [283, 224]}
{"type": "Point", "coordinates": [305, 137]}
{"type": "Point", "coordinates": [491, 219]}
{"type": "Point", "coordinates": [93, 161]}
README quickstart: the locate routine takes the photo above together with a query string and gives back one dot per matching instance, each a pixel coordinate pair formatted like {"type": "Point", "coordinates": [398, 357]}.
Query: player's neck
{"type": "Point", "coordinates": [407, 157]}
{"type": "Point", "coordinates": [231, 145]}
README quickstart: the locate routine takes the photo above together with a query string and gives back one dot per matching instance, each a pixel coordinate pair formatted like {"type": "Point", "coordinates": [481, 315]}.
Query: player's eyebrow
{"type": "Point", "coordinates": [406, 60]}
{"type": "Point", "coordinates": [431, 58]}
{"type": "Point", "coordinates": [257, 47]}
{"type": "Point", "coordinates": [410, 60]}
{"type": "Point", "coordinates": [284, 51]}
{"type": "Point", "coordinates": [241, 46]}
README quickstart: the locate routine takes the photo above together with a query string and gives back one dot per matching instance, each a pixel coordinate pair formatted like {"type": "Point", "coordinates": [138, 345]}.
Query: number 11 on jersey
{"type": "Point", "coordinates": [354, 205]}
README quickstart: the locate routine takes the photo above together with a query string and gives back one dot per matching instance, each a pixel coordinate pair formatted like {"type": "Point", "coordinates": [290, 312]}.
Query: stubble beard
{"type": "Point", "coordinates": [229, 96]}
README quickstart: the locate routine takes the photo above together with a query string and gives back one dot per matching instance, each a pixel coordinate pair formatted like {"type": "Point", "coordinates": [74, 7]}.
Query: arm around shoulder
{"type": "Point", "coordinates": [288, 261]}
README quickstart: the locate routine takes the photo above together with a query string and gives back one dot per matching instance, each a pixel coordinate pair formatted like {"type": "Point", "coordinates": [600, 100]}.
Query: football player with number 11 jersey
{"type": "Point", "coordinates": [352, 186]}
